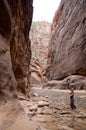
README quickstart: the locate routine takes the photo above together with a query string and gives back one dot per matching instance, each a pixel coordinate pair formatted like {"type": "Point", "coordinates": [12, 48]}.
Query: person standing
{"type": "Point", "coordinates": [72, 105]}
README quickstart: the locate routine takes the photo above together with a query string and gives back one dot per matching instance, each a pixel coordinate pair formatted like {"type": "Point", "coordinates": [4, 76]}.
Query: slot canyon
{"type": "Point", "coordinates": [39, 63]}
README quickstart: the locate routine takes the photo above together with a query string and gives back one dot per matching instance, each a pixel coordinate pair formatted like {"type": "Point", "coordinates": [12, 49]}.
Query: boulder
{"type": "Point", "coordinates": [43, 103]}
{"type": "Point", "coordinates": [76, 81]}
{"type": "Point", "coordinates": [33, 108]}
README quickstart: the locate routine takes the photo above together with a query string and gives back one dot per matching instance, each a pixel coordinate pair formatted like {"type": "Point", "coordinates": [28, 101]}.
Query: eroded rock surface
{"type": "Point", "coordinates": [50, 109]}
{"type": "Point", "coordinates": [76, 81]}
{"type": "Point", "coordinates": [7, 79]}
{"type": "Point", "coordinates": [20, 43]}
{"type": "Point", "coordinates": [5, 18]}
{"type": "Point", "coordinates": [39, 35]}
{"type": "Point", "coordinates": [15, 52]}
{"type": "Point", "coordinates": [12, 116]}
{"type": "Point", "coordinates": [67, 51]}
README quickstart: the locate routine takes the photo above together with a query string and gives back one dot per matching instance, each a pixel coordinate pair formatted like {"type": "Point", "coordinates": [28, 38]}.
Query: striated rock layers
{"type": "Point", "coordinates": [39, 35]}
{"type": "Point", "coordinates": [15, 52]}
{"type": "Point", "coordinates": [67, 49]}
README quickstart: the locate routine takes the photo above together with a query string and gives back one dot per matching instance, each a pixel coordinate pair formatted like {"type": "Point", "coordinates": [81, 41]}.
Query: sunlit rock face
{"type": "Point", "coordinates": [39, 35]}
{"type": "Point", "coordinates": [67, 49]}
{"type": "Point", "coordinates": [15, 52]}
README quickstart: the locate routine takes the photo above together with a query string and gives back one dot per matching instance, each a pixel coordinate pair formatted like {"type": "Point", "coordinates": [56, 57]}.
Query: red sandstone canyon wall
{"type": "Point", "coordinates": [67, 49]}
{"type": "Point", "coordinates": [15, 52]}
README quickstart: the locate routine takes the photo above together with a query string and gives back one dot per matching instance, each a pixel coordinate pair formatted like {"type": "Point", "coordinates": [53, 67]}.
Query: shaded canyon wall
{"type": "Point", "coordinates": [15, 52]}
{"type": "Point", "coordinates": [67, 48]}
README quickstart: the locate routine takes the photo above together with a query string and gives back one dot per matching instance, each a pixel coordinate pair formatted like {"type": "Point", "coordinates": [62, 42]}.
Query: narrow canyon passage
{"type": "Point", "coordinates": [40, 61]}
{"type": "Point", "coordinates": [40, 36]}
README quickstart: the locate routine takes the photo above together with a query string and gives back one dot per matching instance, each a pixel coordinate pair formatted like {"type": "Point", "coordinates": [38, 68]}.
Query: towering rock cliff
{"type": "Point", "coordinates": [15, 52]}
{"type": "Point", "coordinates": [67, 49]}
{"type": "Point", "coordinates": [39, 35]}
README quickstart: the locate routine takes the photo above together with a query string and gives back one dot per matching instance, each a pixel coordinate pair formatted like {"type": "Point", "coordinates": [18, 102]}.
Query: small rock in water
{"type": "Point", "coordinates": [20, 97]}
{"type": "Point", "coordinates": [65, 112]}
{"type": "Point", "coordinates": [44, 99]}
{"type": "Point", "coordinates": [64, 128]}
{"type": "Point", "coordinates": [33, 108]}
{"type": "Point", "coordinates": [40, 111]}
{"type": "Point", "coordinates": [43, 103]}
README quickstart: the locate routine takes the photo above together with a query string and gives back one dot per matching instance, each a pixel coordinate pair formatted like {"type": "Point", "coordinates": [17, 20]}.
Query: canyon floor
{"type": "Point", "coordinates": [46, 109]}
